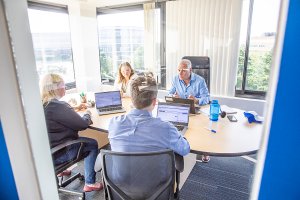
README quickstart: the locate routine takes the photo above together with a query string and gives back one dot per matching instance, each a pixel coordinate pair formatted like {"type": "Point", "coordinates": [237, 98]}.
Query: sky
{"type": "Point", "coordinates": [265, 16]}
{"type": "Point", "coordinates": [50, 23]}
{"type": "Point", "coordinates": [41, 23]}
{"type": "Point", "coordinates": [135, 18]}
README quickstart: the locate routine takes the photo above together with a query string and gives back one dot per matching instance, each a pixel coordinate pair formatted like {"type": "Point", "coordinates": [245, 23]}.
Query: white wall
{"type": "Point", "coordinates": [84, 36]}
{"type": "Point", "coordinates": [242, 103]}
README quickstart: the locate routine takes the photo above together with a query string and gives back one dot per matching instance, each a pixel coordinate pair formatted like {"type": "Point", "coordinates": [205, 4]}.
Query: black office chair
{"type": "Point", "coordinates": [62, 149]}
{"type": "Point", "coordinates": [201, 66]}
{"type": "Point", "coordinates": [146, 73]}
{"type": "Point", "coordinates": [133, 176]}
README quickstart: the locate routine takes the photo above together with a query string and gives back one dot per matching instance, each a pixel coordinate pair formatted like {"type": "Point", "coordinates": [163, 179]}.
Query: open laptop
{"type": "Point", "coordinates": [194, 109]}
{"type": "Point", "coordinates": [108, 102]}
{"type": "Point", "coordinates": [175, 113]}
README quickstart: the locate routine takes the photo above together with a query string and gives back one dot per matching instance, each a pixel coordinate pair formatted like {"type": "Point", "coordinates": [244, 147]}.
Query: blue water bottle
{"type": "Point", "coordinates": [214, 110]}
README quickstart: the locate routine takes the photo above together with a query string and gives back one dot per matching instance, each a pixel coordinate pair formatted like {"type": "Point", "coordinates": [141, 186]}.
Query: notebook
{"type": "Point", "coordinates": [194, 109]}
{"type": "Point", "coordinates": [108, 102]}
{"type": "Point", "coordinates": [175, 113]}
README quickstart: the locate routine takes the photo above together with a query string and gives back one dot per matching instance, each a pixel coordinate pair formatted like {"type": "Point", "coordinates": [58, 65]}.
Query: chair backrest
{"type": "Point", "coordinates": [144, 176]}
{"type": "Point", "coordinates": [75, 156]}
{"type": "Point", "coordinates": [145, 73]}
{"type": "Point", "coordinates": [63, 148]}
{"type": "Point", "coordinates": [201, 66]}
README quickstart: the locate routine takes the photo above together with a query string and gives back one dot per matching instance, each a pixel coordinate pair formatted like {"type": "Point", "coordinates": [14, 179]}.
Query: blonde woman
{"type": "Point", "coordinates": [125, 75]}
{"type": "Point", "coordinates": [63, 124]}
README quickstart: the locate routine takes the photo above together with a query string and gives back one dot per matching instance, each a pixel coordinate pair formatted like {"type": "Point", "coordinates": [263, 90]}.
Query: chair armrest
{"type": "Point", "coordinates": [65, 144]}
{"type": "Point", "coordinates": [179, 162]}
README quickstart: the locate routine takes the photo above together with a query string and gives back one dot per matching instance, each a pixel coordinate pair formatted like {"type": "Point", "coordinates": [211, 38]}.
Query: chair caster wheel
{"type": "Point", "coordinates": [81, 178]}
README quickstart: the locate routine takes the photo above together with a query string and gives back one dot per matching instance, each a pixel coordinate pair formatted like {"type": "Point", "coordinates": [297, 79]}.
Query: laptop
{"type": "Point", "coordinates": [194, 109]}
{"type": "Point", "coordinates": [108, 102]}
{"type": "Point", "coordinates": [175, 113]}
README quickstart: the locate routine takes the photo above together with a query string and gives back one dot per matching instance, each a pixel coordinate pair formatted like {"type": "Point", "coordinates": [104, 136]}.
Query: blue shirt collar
{"type": "Point", "coordinates": [193, 78]}
{"type": "Point", "coordinates": [140, 112]}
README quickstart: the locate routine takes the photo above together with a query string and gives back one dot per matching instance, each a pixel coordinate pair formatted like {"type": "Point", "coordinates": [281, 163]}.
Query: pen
{"type": "Point", "coordinates": [211, 130]}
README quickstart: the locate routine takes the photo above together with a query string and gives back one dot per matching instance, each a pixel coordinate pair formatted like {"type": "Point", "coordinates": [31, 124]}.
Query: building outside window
{"type": "Point", "coordinates": [258, 35]}
{"type": "Point", "coordinates": [51, 37]}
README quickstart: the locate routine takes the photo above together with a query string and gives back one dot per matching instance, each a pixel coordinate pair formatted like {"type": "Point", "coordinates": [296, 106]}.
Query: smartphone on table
{"type": "Point", "coordinates": [232, 118]}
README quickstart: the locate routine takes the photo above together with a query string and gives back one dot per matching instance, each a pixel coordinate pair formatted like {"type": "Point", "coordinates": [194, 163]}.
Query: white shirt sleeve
{"type": "Point", "coordinates": [128, 88]}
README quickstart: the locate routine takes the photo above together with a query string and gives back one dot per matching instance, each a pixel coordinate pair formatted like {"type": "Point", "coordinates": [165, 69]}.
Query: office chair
{"type": "Point", "coordinates": [146, 73]}
{"type": "Point", "coordinates": [61, 149]}
{"type": "Point", "coordinates": [147, 176]}
{"type": "Point", "coordinates": [201, 66]}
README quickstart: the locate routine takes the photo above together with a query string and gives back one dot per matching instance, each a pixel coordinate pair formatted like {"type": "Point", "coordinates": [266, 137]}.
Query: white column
{"type": "Point", "coordinates": [21, 110]}
{"type": "Point", "coordinates": [84, 37]}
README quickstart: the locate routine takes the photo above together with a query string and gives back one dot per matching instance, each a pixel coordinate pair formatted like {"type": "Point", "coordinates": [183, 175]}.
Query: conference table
{"type": "Point", "coordinates": [231, 138]}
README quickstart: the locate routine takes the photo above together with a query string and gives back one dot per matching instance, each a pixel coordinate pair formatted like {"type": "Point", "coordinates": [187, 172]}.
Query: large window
{"type": "Point", "coordinates": [258, 32]}
{"type": "Point", "coordinates": [52, 41]}
{"type": "Point", "coordinates": [123, 36]}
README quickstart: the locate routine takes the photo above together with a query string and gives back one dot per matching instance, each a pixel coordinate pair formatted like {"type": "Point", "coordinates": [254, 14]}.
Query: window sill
{"type": "Point", "coordinates": [250, 94]}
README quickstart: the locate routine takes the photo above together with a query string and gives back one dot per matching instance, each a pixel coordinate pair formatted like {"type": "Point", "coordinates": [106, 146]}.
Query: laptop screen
{"type": "Point", "coordinates": [173, 112]}
{"type": "Point", "coordinates": [183, 101]}
{"type": "Point", "coordinates": [106, 99]}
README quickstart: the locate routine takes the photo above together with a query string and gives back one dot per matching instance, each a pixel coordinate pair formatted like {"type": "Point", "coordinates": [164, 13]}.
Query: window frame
{"type": "Point", "coordinates": [58, 8]}
{"type": "Point", "coordinates": [162, 7]}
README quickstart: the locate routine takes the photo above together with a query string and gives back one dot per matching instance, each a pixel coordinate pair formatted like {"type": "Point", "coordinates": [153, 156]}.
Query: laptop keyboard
{"type": "Point", "coordinates": [110, 109]}
{"type": "Point", "coordinates": [179, 128]}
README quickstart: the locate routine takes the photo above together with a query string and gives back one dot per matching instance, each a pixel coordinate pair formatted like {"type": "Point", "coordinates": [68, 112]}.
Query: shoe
{"type": "Point", "coordinates": [205, 159]}
{"type": "Point", "coordinates": [65, 173]}
{"type": "Point", "coordinates": [93, 187]}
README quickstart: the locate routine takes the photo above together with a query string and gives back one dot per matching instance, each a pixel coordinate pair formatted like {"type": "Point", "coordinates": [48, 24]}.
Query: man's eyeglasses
{"type": "Point", "coordinates": [184, 70]}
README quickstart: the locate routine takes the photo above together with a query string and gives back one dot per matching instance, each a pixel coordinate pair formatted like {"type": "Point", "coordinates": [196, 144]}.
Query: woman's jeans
{"type": "Point", "coordinates": [89, 161]}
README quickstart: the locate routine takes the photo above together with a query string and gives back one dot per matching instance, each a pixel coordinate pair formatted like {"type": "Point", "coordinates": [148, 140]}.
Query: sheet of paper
{"type": "Point", "coordinates": [227, 109]}
{"type": "Point", "coordinates": [205, 110]}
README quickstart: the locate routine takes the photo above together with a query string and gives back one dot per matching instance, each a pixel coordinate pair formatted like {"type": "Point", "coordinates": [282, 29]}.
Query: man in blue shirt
{"type": "Point", "coordinates": [138, 131]}
{"type": "Point", "coordinates": [189, 85]}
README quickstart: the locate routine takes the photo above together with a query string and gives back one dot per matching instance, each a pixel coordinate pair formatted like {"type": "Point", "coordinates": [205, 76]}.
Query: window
{"type": "Point", "coordinates": [52, 41]}
{"type": "Point", "coordinates": [122, 35]}
{"type": "Point", "coordinates": [258, 34]}
{"type": "Point", "coordinates": [121, 38]}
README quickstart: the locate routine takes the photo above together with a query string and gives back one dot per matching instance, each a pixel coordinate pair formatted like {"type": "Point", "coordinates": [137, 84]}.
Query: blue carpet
{"type": "Point", "coordinates": [221, 178]}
